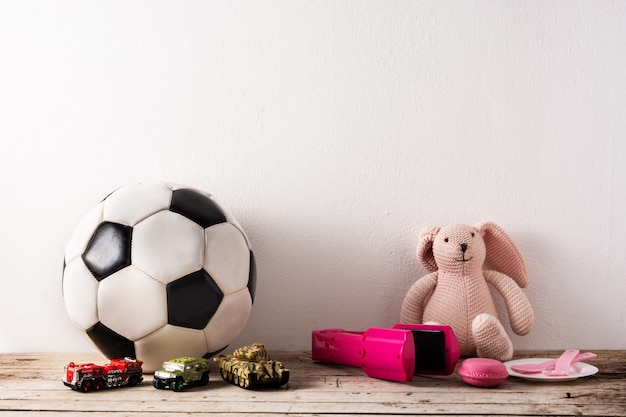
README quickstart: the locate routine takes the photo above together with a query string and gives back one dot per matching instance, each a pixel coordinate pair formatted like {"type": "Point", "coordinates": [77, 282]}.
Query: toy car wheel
{"type": "Point", "coordinates": [177, 385]}
{"type": "Point", "coordinates": [247, 383]}
{"type": "Point", "coordinates": [99, 385]}
{"type": "Point", "coordinates": [132, 381]}
{"type": "Point", "coordinates": [284, 378]}
{"type": "Point", "coordinates": [86, 386]}
{"type": "Point", "coordinates": [205, 378]}
{"type": "Point", "coordinates": [250, 382]}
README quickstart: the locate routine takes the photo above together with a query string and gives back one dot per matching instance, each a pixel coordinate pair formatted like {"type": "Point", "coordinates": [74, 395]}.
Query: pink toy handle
{"type": "Point", "coordinates": [382, 353]}
{"type": "Point", "coordinates": [337, 346]}
{"type": "Point", "coordinates": [389, 354]}
{"type": "Point", "coordinates": [561, 368]}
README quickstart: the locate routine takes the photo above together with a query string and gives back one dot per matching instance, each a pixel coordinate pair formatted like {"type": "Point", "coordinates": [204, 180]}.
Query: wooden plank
{"type": "Point", "coordinates": [385, 405]}
{"type": "Point", "coordinates": [31, 383]}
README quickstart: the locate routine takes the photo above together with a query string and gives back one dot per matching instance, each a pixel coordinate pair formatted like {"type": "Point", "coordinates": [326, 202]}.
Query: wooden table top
{"type": "Point", "coordinates": [30, 384]}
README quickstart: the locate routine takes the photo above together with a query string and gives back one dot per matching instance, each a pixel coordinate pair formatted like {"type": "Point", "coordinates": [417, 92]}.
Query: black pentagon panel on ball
{"type": "Point", "coordinates": [193, 300]}
{"type": "Point", "coordinates": [110, 343]}
{"type": "Point", "coordinates": [209, 355]}
{"type": "Point", "coordinates": [197, 207]}
{"type": "Point", "coordinates": [252, 276]}
{"type": "Point", "coordinates": [108, 251]}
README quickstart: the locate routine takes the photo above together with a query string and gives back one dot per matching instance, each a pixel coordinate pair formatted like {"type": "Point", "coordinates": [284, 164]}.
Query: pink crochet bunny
{"type": "Point", "coordinates": [456, 291]}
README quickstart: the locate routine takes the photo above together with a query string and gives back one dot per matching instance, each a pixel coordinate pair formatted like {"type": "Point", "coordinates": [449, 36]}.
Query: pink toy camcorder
{"type": "Point", "coordinates": [395, 354]}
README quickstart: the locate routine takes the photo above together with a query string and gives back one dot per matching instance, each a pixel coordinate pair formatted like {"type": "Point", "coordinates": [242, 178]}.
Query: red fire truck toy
{"type": "Point", "coordinates": [86, 377]}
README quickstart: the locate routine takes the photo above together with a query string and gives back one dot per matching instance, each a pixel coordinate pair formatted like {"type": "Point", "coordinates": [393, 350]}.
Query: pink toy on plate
{"type": "Point", "coordinates": [568, 367]}
{"type": "Point", "coordinates": [395, 354]}
{"type": "Point", "coordinates": [547, 365]}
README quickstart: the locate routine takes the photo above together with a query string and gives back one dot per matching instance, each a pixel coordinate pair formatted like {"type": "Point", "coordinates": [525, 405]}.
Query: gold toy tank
{"type": "Point", "coordinates": [251, 367]}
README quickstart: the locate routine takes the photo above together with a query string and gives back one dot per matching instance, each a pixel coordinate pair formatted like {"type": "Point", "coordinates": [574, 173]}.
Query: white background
{"type": "Point", "coordinates": [334, 131]}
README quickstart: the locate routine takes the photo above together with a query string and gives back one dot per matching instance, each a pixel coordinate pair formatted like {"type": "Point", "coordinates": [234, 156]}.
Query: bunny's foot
{"type": "Point", "coordinates": [491, 338]}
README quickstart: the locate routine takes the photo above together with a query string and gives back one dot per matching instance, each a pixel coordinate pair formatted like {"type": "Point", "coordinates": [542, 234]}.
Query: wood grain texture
{"type": "Point", "coordinates": [30, 384]}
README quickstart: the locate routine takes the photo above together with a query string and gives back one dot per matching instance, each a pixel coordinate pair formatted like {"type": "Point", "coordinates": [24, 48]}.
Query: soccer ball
{"type": "Point", "coordinates": [157, 271]}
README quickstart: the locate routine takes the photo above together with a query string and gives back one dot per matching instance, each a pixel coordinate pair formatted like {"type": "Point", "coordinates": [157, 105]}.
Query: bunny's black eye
{"type": "Point", "coordinates": [473, 234]}
{"type": "Point", "coordinates": [446, 240]}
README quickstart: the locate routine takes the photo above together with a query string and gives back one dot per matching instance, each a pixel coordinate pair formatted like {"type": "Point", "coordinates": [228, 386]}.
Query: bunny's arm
{"type": "Point", "coordinates": [413, 304]}
{"type": "Point", "coordinates": [520, 311]}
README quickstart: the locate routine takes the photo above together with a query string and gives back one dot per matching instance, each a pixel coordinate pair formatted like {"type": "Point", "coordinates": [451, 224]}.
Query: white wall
{"type": "Point", "coordinates": [334, 131]}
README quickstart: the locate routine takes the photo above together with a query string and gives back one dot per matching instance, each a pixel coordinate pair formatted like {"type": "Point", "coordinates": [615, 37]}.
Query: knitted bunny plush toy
{"type": "Point", "coordinates": [456, 291]}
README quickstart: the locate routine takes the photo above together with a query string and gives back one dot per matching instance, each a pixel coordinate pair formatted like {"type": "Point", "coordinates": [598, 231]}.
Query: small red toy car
{"type": "Point", "coordinates": [87, 377]}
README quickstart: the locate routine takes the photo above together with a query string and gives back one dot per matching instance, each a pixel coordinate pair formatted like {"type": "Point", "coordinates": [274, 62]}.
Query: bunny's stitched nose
{"type": "Point", "coordinates": [463, 247]}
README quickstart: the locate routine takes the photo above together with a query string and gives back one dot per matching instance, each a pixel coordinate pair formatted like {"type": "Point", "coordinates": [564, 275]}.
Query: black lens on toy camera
{"type": "Point", "coordinates": [429, 350]}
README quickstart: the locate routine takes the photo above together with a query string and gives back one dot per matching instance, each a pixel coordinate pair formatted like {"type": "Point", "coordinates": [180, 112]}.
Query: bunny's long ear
{"type": "Point", "coordinates": [425, 248]}
{"type": "Point", "coordinates": [503, 253]}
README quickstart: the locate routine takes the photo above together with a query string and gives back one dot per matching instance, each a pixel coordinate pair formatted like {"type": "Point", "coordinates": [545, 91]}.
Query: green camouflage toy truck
{"type": "Point", "coordinates": [250, 367]}
{"type": "Point", "coordinates": [179, 372]}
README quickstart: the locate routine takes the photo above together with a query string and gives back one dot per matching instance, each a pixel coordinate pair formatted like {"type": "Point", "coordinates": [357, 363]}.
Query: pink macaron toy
{"type": "Point", "coordinates": [483, 372]}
